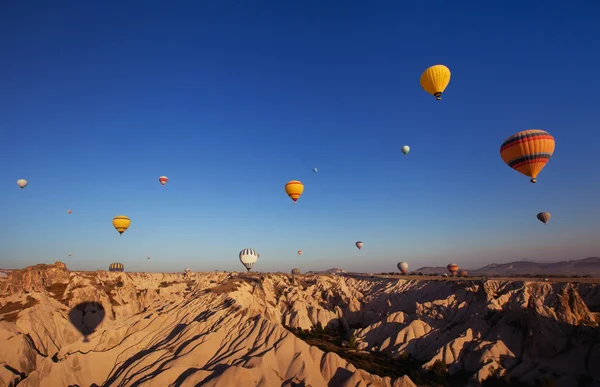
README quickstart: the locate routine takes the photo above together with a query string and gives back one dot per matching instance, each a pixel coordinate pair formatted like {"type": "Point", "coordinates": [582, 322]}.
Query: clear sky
{"type": "Point", "coordinates": [231, 99]}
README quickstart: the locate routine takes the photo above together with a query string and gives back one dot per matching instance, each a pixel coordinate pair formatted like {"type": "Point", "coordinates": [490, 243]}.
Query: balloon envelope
{"type": "Point", "coordinates": [299, 252]}
{"type": "Point", "coordinates": [163, 180]}
{"type": "Point", "coordinates": [22, 183]}
{"type": "Point", "coordinates": [528, 151]}
{"type": "Point", "coordinates": [403, 267]}
{"type": "Point", "coordinates": [452, 268]}
{"type": "Point", "coordinates": [435, 79]}
{"type": "Point", "coordinates": [248, 258]}
{"type": "Point", "coordinates": [405, 149]}
{"type": "Point", "coordinates": [295, 271]}
{"type": "Point", "coordinates": [121, 223]}
{"type": "Point", "coordinates": [544, 217]}
{"type": "Point", "coordinates": [359, 244]}
{"type": "Point", "coordinates": [69, 211]}
{"type": "Point", "coordinates": [294, 189]}
{"type": "Point", "coordinates": [315, 170]}
{"type": "Point", "coordinates": [116, 266]}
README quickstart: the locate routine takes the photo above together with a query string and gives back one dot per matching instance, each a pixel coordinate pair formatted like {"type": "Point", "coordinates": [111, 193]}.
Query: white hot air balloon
{"type": "Point", "coordinates": [22, 183]}
{"type": "Point", "coordinates": [248, 258]}
{"type": "Point", "coordinates": [405, 149]}
{"type": "Point", "coordinates": [403, 267]}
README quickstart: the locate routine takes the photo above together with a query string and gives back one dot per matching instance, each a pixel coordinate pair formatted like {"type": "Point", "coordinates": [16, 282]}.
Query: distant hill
{"type": "Point", "coordinates": [589, 266]}
{"type": "Point", "coordinates": [334, 270]}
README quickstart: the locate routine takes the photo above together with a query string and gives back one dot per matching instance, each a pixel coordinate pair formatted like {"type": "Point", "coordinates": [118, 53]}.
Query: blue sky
{"type": "Point", "coordinates": [232, 99]}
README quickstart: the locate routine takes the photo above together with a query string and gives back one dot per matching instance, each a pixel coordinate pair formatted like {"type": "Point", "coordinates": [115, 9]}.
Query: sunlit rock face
{"type": "Point", "coordinates": [60, 328]}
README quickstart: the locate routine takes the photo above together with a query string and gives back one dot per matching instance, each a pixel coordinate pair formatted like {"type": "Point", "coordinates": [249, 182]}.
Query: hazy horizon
{"type": "Point", "coordinates": [99, 100]}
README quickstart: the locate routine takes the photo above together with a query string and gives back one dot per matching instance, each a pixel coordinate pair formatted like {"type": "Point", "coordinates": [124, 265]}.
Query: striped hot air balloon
{"type": "Point", "coordinates": [163, 180]}
{"type": "Point", "coordinates": [121, 223]}
{"type": "Point", "coordinates": [248, 257]}
{"type": "Point", "coordinates": [452, 268]}
{"type": "Point", "coordinates": [294, 189]}
{"type": "Point", "coordinates": [116, 266]}
{"type": "Point", "coordinates": [295, 271]}
{"type": "Point", "coordinates": [528, 151]}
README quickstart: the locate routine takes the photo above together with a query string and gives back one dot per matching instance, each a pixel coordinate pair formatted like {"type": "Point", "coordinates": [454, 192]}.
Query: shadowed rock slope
{"type": "Point", "coordinates": [226, 329]}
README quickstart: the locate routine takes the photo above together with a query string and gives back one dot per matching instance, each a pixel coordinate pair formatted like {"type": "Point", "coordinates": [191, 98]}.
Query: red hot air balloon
{"type": "Point", "coordinates": [163, 180]}
{"type": "Point", "coordinates": [69, 211]}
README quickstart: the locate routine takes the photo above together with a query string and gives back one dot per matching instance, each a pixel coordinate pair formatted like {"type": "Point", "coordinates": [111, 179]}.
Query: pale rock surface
{"type": "Point", "coordinates": [226, 329]}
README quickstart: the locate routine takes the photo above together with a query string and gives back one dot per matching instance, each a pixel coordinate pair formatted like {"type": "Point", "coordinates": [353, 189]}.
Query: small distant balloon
{"type": "Point", "coordinates": [148, 257]}
{"type": "Point", "coordinates": [86, 317]}
{"type": "Point", "coordinates": [299, 252]}
{"type": "Point", "coordinates": [359, 244]}
{"type": "Point", "coordinates": [70, 254]}
{"type": "Point", "coordinates": [295, 271]}
{"type": "Point", "coordinates": [405, 149]}
{"type": "Point", "coordinates": [69, 211]}
{"type": "Point", "coordinates": [163, 180]}
{"type": "Point", "coordinates": [294, 189]}
{"type": "Point", "coordinates": [403, 267]}
{"type": "Point", "coordinates": [248, 258]}
{"type": "Point", "coordinates": [22, 183]}
{"type": "Point", "coordinates": [315, 170]}
{"type": "Point", "coordinates": [121, 223]}
{"type": "Point", "coordinates": [435, 79]}
{"type": "Point", "coordinates": [452, 268]}
{"type": "Point", "coordinates": [544, 217]}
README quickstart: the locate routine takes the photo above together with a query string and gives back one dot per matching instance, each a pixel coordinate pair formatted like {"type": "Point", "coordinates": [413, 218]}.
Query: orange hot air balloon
{"type": "Point", "coordinates": [452, 268]}
{"type": "Point", "coordinates": [69, 211]}
{"type": "Point", "coordinates": [528, 151]}
{"type": "Point", "coordinates": [163, 180]}
{"type": "Point", "coordinates": [294, 189]}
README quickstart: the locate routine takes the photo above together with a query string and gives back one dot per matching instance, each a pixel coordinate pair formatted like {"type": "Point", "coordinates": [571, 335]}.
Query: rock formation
{"type": "Point", "coordinates": [225, 329]}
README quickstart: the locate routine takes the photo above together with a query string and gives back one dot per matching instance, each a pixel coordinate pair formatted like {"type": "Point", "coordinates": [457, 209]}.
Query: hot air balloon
{"type": "Point", "coordinates": [69, 211]}
{"type": "Point", "coordinates": [70, 254]}
{"type": "Point", "coordinates": [116, 266]}
{"type": "Point", "coordinates": [86, 317]}
{"type": "Point", "coordinates": [543, 217]}
{"type": "Point", "coordinates": [294, 189]}
{"type": "Point", "coordinates": [163, 180]}
{"type": "Point", "coordinates": [528, 151]}
{"type": "Point", "coordinates": [121, 223]}
{"type": "Point", "coordinates": [463, 273]}
{"type": "Point", "coordinates": [22, 183]}
{"type": "Point", "coordinates": [295, 271]}
{"type": "Point", "coordinates": [148, 257]}
{"type": "Point", "coordinates": [405, 149]}
{"type": "Point", "coordinates": [452, 268]}
{"type": "Point", "coordinates": [435, 79]}
{"type": "Point", "coordinates": [359, 244]}
{"type": "Point", "coordinates": [299, 252]}
{"type": "Point", "coordinates": [248, 257]}
{"type": "Point", "coordinates": [315, 170]}
{"type": "Point", "coordinates": [403, 267]}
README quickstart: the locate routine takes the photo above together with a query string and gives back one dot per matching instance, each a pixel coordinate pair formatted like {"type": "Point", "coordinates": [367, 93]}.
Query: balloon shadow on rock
{"type": "Point", "coordinates": [86, 317]}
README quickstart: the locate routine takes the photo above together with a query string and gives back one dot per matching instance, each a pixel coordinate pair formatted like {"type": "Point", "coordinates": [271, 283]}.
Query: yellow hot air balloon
{"type": "Point", "coordinates": [121, 223]}
{"type": "Point", "coordinates": [528, 151]}
{"type": "Point", "coordinates": [435, 79]}
{"type": "Point", "coordinates": [294, 189]}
